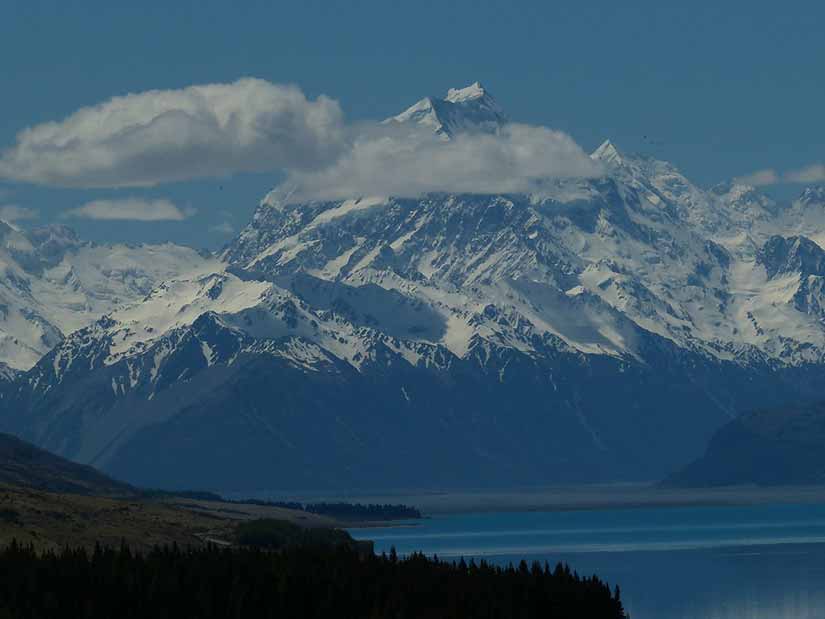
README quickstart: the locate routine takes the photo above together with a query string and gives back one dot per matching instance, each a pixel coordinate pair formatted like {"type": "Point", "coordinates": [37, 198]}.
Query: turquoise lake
{"type": "Point", "coordinates": [755, 562]}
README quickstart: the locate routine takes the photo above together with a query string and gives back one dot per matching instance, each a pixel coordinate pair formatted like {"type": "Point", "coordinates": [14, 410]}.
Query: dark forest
{"type": "Point", "coordinates": [296, 582]}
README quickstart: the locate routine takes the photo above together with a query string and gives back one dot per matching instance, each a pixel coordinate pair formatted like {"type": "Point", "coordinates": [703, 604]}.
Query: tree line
{"type": "Point", "coordinates": [337, 510]}
{"type": "Point", "coordinates": [350, 511]}
{"type": "Point", "coordinates": [307, 582]}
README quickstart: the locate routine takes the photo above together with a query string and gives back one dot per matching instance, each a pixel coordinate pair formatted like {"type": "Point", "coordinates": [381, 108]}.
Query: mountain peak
{"type": "Point", "coordinates": [793, 254]}
{"type": "Point", "coordinates": [814, 194]}
{"type": "Point", "coordinates": [463, 110]}
{"type": "Point", "coordinates": [470, 93]}
{"type": "Point", "coordinates": [608, 153]}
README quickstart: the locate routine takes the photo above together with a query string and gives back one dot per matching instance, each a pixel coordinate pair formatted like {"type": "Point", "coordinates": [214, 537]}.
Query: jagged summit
{"type": "Point", "coordinates": [464, 109]}
{"type": "Point", "coordinates": [745, 203]}
{"type": "Point", "coordinates": [607, 153]}
{"type": "Point", "coordinates": [471, 92]}
{"type": "Point", "coordinates": [795, 254]}
{"type": "Point", "coordinates": [813, 195]}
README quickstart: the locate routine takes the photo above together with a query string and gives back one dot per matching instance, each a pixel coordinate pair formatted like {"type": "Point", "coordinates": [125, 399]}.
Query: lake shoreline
{"type": "Point", "coordinates": [595, 497]}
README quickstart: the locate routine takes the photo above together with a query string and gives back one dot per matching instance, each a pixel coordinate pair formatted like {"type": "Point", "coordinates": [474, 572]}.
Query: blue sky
{"type": "Point", "coordinates": [721, 92]}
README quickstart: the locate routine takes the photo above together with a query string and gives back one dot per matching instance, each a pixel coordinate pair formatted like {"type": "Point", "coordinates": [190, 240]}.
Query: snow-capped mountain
{"type": "Point", "coordinates": [600, 330]}
{"type": "Point", "coordinates": [52, 284]}
{"type": "Point", "coordinates": [463, 109]}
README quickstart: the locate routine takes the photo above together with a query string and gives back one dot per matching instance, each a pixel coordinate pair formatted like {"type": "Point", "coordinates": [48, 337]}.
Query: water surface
{"type": "Point", "coordinates": [755, 562]}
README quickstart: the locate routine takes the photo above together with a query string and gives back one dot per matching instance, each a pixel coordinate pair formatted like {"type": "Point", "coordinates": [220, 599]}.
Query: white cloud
{"type": "Point", "coordinates": [223, 228]}
{"type": "Point", "coordinates": [252, 125]}
{"type": "Point", "coordinates": [814, 173]}
{"type": "Point", "coordinates": [13, 212]}
{"type": "Point", "coordinates": [394, 161]}
{"type": "Point", "coordinates": [169, 135]}
{"type": "Point", "coordinates": [759, 178]}
{"type": "Point", "coordinates": [134, 209]}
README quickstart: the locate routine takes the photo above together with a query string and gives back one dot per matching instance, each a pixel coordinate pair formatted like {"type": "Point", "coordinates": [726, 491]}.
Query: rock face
{"type": "Point", "coordinates": [781, 446]}
{"type": "Point", "coordinates": [792, 256]}
{"type": "Point", "coordinates": [600, 330]}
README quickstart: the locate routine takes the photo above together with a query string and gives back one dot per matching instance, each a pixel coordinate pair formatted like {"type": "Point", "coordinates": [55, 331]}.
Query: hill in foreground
{"type": "Point", "coordinates": [23, 464]}
{"type": "Point", "coordinates": [51, 502]}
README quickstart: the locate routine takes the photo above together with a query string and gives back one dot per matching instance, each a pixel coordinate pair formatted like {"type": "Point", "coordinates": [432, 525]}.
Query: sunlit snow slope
{"type": "Point", "coordinates": [53, 284]}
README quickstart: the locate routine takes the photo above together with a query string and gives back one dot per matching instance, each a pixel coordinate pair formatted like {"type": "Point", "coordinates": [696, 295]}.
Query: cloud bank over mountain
{"type": "Point", "coordinates": [813, 173]}
{"type": "Point", "coordinates": [401, 162]}
{"type": "Point", "coordinates": [214, 130]}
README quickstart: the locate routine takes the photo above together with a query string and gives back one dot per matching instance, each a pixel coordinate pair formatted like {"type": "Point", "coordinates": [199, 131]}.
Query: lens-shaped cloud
{"type": "Point", "coordinates": [14, 212]}
{"type": "Point", "coordinates": [813, 173]}
{"type": "Point", "coordinates": [223, 228]}
{"type": "Point", "coordinates": [760, 178]}
{"type": "Point", "coordinates": [131, 209]}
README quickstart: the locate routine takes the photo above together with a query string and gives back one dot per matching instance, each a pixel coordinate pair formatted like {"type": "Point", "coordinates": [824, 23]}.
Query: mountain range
{"type": "Point", "coordinates": [601, 329]}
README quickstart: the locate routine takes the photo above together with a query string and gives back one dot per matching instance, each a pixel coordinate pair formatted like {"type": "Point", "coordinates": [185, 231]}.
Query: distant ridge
{"type": "Point", "coordinates": [775, 447]}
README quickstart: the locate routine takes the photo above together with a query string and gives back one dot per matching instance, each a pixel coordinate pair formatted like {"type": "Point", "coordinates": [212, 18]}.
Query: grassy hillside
{"type": "Point", "coordinates": [51, 502]}
{"type": "Point", "coordinates": [53, 520]}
